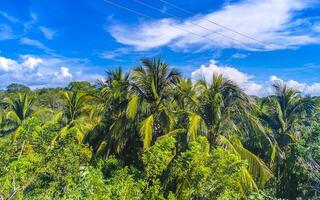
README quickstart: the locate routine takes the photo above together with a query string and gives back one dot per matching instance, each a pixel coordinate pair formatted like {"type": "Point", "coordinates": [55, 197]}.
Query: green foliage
{"type": "Point", "coordinates": [50, 98]}
{"type": "Point", "coordinates": [205, 174]}
{"type": "Point", "coordinates": [17, 87]}
{"type": "Point", "coordinates": [124, 185]}
{"type": "Point", "coordinates": [157, 158]}
{"type": "Point", "coordinates": [152, 134]}
{"type": "Point", "coordinates": [81, 86]}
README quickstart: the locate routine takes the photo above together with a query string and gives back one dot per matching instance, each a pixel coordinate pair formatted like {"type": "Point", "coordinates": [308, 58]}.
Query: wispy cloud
{"type": "Point", "coordinates": [6, 32]}
{"type": "Point", "coordinates": [316, 27]}
{"type": "Point", "coordinates": [35, 43]}
{"type": "Point", "coordinates": [29, 24]}
{"type": "Point", "coordinates": [9, 17]}
{"type": "Point", "coordinates": [48, 33]}
{"type": "Point", "coordinates": [250, 17]}
{"type": "Point", "coordinates": [114, 54]}
{"type": "Point", "coordinates": [239, 55]}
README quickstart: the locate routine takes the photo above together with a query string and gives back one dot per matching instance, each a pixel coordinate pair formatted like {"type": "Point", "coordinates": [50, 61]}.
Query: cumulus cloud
{"type": "Point", "coordinates": [246, 82]}
{"type": "Point", "coordinates": [41, 72]}
{"type": "Point", "coordinates": [242, 79]}
{"type": "Point", "coordinates": [307, 89]}
{"type": "Point", "coordinates": [249, 17]}
{"type": "Point", "coordinates": [206, 72]}
{"type": "Point", "coordinates": [31, 62]}
{"type": "Point", "coordinates": [64, 72]}
{"type": "Point", "coordinates": [7, 65]}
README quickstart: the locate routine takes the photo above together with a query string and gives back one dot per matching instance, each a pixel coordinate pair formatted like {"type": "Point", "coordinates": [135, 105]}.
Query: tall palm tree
{"type": "Point", "coordinates": [151, 85]}
{"type": "Point", "coordinates": [222, 114]}
{"type": "Point", "coordinates": [222, 104]}
{"type": "Point", "coordinates": [283, 113]}
{"type": "Point", "coordinates": [186, 95]}
{"type": "Point", "coordinates": [116, 134]}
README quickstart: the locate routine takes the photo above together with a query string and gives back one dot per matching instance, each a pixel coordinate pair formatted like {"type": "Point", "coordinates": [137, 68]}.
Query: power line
{"type": "Point", "coordinates": [175, 16]}
{"type": "Point", "coordinates": [153, 18]}
{"type": "Point", "coordinates": [147, 16]}
{"type": "Point", "coordinates": [212, 22]}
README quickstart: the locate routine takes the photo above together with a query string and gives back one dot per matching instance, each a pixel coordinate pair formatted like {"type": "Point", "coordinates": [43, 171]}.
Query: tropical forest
{"type": "Point", "coordinates": [151, 133]}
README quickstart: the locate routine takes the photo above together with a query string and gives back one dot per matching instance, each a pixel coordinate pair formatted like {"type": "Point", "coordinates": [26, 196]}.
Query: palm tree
{"type": "Point", "coordinates": [283, 113]}
{"type": "Point", "coordinates": [75, 105]}
{"type": "Point", "coordinates": [221, 112]}
{"type": "Point", "coordinates": [19, 108]}
{"type": "Point", "coordinates": [116, 134]}
{"type": "Point", "coordinates": [151, 86]}
{"type": "Point", "coordinates": [6, 125]}
{"type": "Point", "coordinates": [75, 115]}
{"type": "Point", "coordinates": [222, 104]}
{"type": "Point", "coordinates": [186, 95]}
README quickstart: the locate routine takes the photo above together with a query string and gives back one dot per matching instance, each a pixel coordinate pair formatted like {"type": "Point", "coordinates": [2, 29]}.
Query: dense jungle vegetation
{"type": "Point", "coordinates": [153, 134]}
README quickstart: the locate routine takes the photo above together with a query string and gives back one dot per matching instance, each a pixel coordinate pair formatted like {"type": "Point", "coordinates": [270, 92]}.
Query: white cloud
{"type": "Point", "coordinates": [48, 33]}
{"type": "Point", "coordinates": [239, 55]}
{"type": "Point", "coordinates": [246, 82]}
{"type": "Point", "coordinates": [269, 21]}
{"type": "Point", "coordinates": [206, 72]}
{"type": "Point", "coordinates": [313, 89]}
{"type": "Point", "coordinates": [307, 89]}
{"type": "Point", "coordinates": [64, 71]}
{"type": "Point", "coordinates": [31, 62]}
{"type": "Point", "coordinates": [42, 72]}
{"type": "Point", "coordinates": [7, 65]}
{"type": "Point", "coordinates": [152, 34]}
{"type": "Point", "coordinates": [242, 79]}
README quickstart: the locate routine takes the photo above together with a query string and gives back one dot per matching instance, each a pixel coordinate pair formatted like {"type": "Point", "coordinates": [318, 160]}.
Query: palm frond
{"type": "Point", "coordinates": [146, 131]}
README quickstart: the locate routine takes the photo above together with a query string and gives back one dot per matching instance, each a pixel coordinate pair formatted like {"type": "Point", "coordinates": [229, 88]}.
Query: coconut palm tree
{"type": "Point", "coordinates": [283, 113]}
{"type": "Point", "coordinates": [117, 133]}
{"type": "Point", "coordinates": [75, 105]}
{"type": "Point", "coordinates": [222, 103]}
{"type": "Point", "coordinates": [222, 113]}
{"type": "Point", "coordinates": [75, 115]}
{"type": "Point", "coordinates": [19, 108]}
{"type": "Point", "coordinates": [151, 86]}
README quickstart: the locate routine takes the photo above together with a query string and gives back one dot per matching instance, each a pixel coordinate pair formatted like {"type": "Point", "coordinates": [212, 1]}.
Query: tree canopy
{"type": "Point", "coordinates": [151, 133]}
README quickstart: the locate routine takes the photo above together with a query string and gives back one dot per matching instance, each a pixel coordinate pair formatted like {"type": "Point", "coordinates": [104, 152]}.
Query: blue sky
{"type": "Point", "coordinates": [47, 43]}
